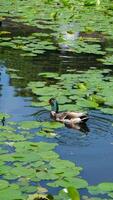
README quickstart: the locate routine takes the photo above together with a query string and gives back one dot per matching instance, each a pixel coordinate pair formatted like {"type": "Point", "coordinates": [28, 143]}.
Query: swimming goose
{"type": "Point", "coordinates": [66, 117]}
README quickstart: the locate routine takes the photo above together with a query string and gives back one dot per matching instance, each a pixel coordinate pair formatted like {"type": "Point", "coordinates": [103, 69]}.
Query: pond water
{"type": "Point", "coordinates": [91, 148]}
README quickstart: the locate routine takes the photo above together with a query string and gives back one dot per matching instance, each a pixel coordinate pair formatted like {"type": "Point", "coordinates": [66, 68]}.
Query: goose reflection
{"type": "Point", "coordinates": [81, 127]}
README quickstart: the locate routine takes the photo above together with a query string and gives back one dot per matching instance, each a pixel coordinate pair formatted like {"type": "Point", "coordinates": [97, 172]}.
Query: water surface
{"type": "Point", "coordinates": [92, 149]}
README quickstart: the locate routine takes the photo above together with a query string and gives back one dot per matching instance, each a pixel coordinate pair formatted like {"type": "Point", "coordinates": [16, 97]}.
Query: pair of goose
{"type": "Point", "coordinates": [66, 117]}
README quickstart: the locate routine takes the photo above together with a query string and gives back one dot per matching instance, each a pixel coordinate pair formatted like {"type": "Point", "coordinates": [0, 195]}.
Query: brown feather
{"type": "Point", "coordinates": [67, 117]}
{"type": "Point", "coordinates": [71, 116]}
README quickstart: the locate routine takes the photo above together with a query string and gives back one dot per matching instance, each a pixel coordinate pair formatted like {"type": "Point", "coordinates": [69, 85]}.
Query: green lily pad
{"type": "Point", "coordinates": [52, 125]}
{"type": "Point", "coordinates": [29, 125]}
{"type": "Point", "coordinates": [101, 188]}
{"type": "Point", "coordinates": [77, 182]}
{"type": "Point", "coordinates": [4, 115]}
{"type": "Point", "coordinates": [49, 74]}
{"type": "Point", "coordinates": [46, 132]}
{"type": "Point", "coordinates": [3, 184]}
{"type": "Point", "coordinates": [7, 128]}
{"type": "Point", "coordinates": [37, 84]}
{"type": "Point", "coordinates": [11, 193]}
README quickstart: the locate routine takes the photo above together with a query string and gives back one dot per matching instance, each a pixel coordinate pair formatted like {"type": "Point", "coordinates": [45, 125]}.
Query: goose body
{"type": "Point", "coordinates": [66, 117]}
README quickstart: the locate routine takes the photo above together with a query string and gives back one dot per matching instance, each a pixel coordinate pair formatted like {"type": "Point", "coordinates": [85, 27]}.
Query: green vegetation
{"type": "Point", "coordinates": [31, 162]}
{"type": "Point", "coordinates": [24, 165]}
{"type": "Point", "coordinates": [80, 91]}
{"type": "Point", "coordinates": [84, 26]}
{"type": "Point", "coordinates": [79, 26]}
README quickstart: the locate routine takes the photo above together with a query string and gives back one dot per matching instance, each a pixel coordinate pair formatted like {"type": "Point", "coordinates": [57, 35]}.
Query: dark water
{"type": "Point", "coordinates": [92, 150]}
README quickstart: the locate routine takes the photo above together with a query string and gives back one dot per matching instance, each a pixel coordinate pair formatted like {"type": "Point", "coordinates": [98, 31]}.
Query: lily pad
{"type": "Point", "coordinates": [4, 115]}
{"type": "Point", "coordinates": [11, 193]}
{"type": "Point", "coordinates": [101, 188]}
{"type": "Point", "coordinates": [49, 74]}
{"type": "Point", "coordinates": [3, 184]}
{"type": "Point", "coordinates": [77, 182]}
{"type": "Point", "coordinates": [37, 84]}
{"type": "Point", "coordinates": [29, 125]}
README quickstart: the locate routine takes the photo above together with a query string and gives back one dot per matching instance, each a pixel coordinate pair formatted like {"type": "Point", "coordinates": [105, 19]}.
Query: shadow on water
{"type": "Point", "coordinates": [81, 127]}
{"type": "Point", "coordinates": [89, 146]}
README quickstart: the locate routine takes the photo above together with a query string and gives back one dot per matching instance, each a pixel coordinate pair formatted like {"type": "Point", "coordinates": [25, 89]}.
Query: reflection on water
{"type": "Point", "coordinates": [81, 127]}
{"type": "Point", "coordinates": [89, 146]}
{"type": "Point", "coordinates": [68, 33]}
{"type": "Point", "coordinates": [9, 102]}
{"type": "Point", "coordinates": [28, 68]}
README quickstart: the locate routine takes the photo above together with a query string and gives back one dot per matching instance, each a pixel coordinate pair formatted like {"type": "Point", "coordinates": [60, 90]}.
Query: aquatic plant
{"type": "Point", "coordinates": [80, 26]}
{"type": "Point", "coordinates": [87, 90]}
{"type": "Point", "coordinates": [25, 164]}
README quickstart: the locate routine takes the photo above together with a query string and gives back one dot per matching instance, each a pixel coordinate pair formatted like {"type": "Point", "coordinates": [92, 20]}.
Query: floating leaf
{"type": "Point", "coordinates": [52, 125]}
{"type": "Point", "coordinates": [101, 188]}
{"type": "Point", "coordinates": [77, 182]}
{"type": "Point", "coordinates": [49, 75]}
{"type": "Point", "coordinates": [4, 115]}
{"type": "Point", "coordinates": [11, 193]}
{"type": "Point", "coordinates": [36, 84]}
{"type": "Point", "coordinates": [29, 125]}
{"type": "Point", "coordinates": [3, 184]}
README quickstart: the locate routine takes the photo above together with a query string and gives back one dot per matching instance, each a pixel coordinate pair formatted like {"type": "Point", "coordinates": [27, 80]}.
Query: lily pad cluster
{"type": "Point", "coordinates": [46, 129]}
{"type": "Point", "coordinates": [102, 188]}
{"type": "Point", "coordinates": [32, 45]}
{"type": "Point", "coordinates": [80, 26]}
{"type": "Point", "coordinates": [24, 164]}
{"type": "Point", "coordinates": [78, 91]}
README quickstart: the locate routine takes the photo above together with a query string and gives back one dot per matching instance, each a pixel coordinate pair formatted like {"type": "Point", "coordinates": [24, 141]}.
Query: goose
{"type": "Point", "coordinates": [66, 117]}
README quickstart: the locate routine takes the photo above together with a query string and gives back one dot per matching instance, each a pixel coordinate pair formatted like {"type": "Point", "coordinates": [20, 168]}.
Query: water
{"type": "Point", "coordinates": [93, 150]}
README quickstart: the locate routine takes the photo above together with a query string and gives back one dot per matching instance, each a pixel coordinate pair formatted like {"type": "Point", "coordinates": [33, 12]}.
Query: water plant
{"type": "Point", "coordinates": [80, 27]}
{"type": "Point", "coordinates": [87, 90]}
{"type": "Point", "coordinates": [27, 168]}
{"type": "Point", "coordinates": [25, 165]}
